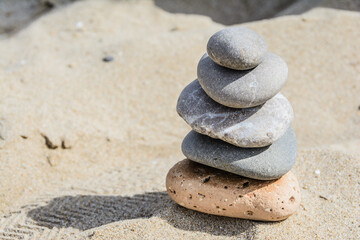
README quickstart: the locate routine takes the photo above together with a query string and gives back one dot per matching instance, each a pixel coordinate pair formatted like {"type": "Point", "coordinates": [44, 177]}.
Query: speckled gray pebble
{"type": "Point", "coordinates": [259, 163]}
{"type": "Point", "coordinates": [237, 48]}
{"type": "Point", "coordinates": [242, 89]}
{"type": "Point", "coordinates": [248, 127]}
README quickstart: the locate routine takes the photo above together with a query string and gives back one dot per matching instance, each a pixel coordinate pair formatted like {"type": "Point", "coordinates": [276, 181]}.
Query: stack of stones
{"type": "Point", "coordinates": [242, 147]}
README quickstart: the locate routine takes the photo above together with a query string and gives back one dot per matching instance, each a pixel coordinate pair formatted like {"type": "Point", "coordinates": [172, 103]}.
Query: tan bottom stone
{"type": "Point", "coordinates": [209, 190]}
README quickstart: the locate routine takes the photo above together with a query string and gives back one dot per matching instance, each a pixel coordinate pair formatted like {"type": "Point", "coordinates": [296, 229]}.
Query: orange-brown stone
{"type": "Point", "coordinates": [209, 190]}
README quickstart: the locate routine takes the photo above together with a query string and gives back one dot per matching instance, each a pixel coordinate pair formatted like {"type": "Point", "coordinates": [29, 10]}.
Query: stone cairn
{"type": "Point", "coordinates": [242, 147]}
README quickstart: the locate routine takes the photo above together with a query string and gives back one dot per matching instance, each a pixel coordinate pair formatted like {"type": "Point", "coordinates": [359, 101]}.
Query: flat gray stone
{"type": "Point", "coordinates": [237, 48]}
{"type": "Point", "coordinates": [247, 127]}
{"type": "Point", "coordinates": [242, 89]}
{"type": "Point", "coordinates": [259, 163]}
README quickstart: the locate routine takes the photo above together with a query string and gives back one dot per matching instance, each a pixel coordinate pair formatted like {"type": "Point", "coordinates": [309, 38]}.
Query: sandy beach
{"type": "Point", "coordinates": [85, 144]}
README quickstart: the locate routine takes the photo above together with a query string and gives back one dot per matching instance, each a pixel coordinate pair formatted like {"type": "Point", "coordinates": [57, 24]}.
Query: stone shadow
{"type": "Point", "coordinates": [230, 12]}
{"type": "Point", "coordinates": [17, 14]}
{"type": "Point", "coordinates": [84, 212]}
{"type": "Point", "coordinates": [227, 12]}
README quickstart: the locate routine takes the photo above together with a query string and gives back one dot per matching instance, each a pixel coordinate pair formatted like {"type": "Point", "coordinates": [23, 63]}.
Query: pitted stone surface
{"type": "Point", "coordinates": [249, 127]}
{"type": "Point", "coordinates": [237, 48]}
{"type": "Point", "coordinates": [264, 163]}
{"type": "Point", "coordinates": [242, 89]}
{"type": "Point", "coordinates": [209, 190]}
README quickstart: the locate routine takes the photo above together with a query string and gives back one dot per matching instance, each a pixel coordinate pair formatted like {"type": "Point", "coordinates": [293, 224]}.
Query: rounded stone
{"type": "Point", "coordinates": [264, 163]}
{"type": "Point", "coordinates": [259, 126]}
{"type": "Point", "coordinates": [209, 190]}
{"type": "Point", "coordinates": [237, 48]}
{"type": "Point", "coordinates": [242, 89]}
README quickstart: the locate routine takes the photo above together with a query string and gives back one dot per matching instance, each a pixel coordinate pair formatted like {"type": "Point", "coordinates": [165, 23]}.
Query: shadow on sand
{"type": "Point", "coordinates": [230, 12]}
{"type": "Point", "coordinates": [226, 12]}
{"type": "Point", "coordinates": [84, 212]}
{"type": "Point", "coordinates": [17, 14]}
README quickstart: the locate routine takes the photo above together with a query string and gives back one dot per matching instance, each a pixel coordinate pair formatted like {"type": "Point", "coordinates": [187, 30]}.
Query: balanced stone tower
{"type": "Point", "coordinates": [242, 146]}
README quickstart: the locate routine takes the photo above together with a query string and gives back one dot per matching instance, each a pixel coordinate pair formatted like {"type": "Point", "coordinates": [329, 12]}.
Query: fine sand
{"type": "Point", "coordinates": [85, 145]}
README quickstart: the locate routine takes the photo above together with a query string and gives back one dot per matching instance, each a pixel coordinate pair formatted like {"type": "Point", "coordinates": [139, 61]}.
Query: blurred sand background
{"type": "Point", "coordinates": [85, 145]}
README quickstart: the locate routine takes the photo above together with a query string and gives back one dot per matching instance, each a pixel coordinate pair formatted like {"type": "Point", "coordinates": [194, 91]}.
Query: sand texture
{"type": "Point", "coordinates": [85, 145]}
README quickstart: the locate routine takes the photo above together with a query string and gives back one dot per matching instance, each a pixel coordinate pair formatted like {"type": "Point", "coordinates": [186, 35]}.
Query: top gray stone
{"type": "Point", "coordinates": [244, 127]}
{"type": "Point", "coordinates": [237, 48]}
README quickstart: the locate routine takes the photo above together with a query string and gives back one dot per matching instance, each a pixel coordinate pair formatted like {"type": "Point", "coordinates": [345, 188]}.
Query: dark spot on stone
{"type": "Point", "coordinates": [108, 139]}
{"type": "Point", "coordinates": [270, 209]}
{"type": "Point", "coordinates": [230, 205]}
{"type": "Point", "coordinates": [190, 196]}
{"type": "Point", "coordinates": [206, 179]}
{"type": "Point", "coordinates": [240, 196]}
{"type": "Point", "coordinates": [24, 137]}
{"type": "Point", "coordinates": [245, 184]}
{"type": "Point", "coordinates": [359, 107]}
{"type": "Point", "coordinates": [217, 207]}
{"type": "Point", "coordinates": [200, 171]}
{"type": "Point", "coordinates": [108, 59]}
{"type": "Point", "coordinates": [292, 199]}
{"type": "Point", "coordinates": [226, 187]}
{"type": "Point", "coordinates": [283, 208]}
{"type": "Point", "coordinates": [201, 195]}
{"type": "Point", "coordinates": [224, 209]}
{"type": "Point", "coordinates": [249, 213]}
{"type": "Point", "coordinates": [270, 135]}
{"type": "Point", "coordinates": [48, 4]}
{"type": "Point", "coordinates": [282, 201]}
{"type": "Point", "coordinates": [48, 143]}
{"type": "Point", "coordinates": [194, 206]}
{"type": "Point", "coordinates": [254, 195]}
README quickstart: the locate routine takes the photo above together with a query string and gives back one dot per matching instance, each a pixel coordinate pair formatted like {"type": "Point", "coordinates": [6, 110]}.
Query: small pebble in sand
{"type": "Point", "coordinates": [79, 24]}
{"type": "Point", "coordinates": [317, 172]}
{"type": "Point", "coordinates": [108, 59]}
